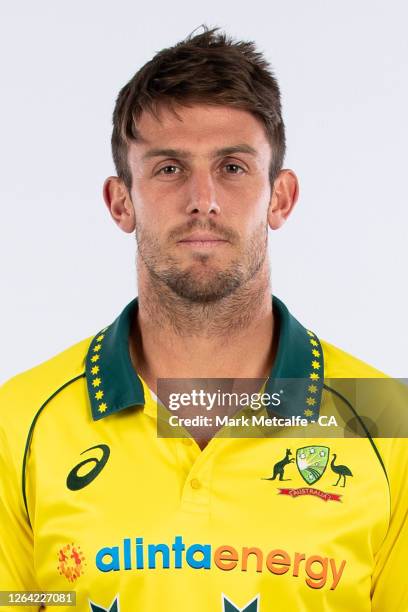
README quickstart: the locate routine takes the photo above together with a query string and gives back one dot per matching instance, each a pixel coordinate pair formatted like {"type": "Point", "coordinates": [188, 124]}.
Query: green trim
{"type": "Point", "coordinates": [112, 382]}
{"type": "Point", "coordinates": [114, 385]}
{"type": "Point", "coordinates": [358, 417]}
{"type": "Point", "coordinates": [298, 369]}
{"type": "Point", "coordinates": [30, 435]}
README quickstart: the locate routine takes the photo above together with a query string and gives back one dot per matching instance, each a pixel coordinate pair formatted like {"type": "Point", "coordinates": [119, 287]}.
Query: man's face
{"type": "Point", "coordinates": [201, 191]}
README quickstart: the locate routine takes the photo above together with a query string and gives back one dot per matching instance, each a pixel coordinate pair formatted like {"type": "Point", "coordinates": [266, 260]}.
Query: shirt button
{"type": "Point", "coordinates": [195, 483]}
{"type": "Point", "coordinates": [187, 441]}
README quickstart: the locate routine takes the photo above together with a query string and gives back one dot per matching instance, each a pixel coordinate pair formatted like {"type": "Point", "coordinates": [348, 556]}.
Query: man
{"type": "Point", "coordinates": [94, 500]}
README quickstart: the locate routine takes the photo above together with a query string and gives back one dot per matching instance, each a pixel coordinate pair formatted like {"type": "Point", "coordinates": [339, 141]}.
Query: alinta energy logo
{"type": "Point", "coordinates": [71, 562]}
{"type": "Point", "coordinates": [316, 571]}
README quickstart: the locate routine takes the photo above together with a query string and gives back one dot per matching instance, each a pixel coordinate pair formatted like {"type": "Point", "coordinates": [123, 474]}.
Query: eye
{"type": "Point", "coordinates": [234, 168]}
{"type": "Point", "coordinates": [168, 170]}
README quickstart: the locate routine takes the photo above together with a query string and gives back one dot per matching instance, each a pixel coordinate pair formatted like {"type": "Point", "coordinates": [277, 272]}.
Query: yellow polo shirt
{"type": "Point", "coordinates": [93, 501]}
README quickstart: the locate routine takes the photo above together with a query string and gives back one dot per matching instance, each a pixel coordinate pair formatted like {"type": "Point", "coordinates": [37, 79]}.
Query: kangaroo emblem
{"type": "Point", "coordinates": [279, 467]}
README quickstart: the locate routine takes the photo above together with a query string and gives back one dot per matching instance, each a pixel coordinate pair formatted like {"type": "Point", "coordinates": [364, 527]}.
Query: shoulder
{"type": "Point", "coordinates": [340, 364]}
{"type": "Point", "coordinates": [384, 400]}
{"type": "Point", "coordinates": [39, 382]}
{"type": "Point", "coordinates": [22, 396]}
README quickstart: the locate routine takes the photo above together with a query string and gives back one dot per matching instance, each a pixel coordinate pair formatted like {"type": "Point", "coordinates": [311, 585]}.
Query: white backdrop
{"type": "Point", "coordinates": [339, 263]}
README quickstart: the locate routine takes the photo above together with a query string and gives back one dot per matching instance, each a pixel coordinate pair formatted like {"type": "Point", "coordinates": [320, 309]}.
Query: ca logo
{"type": "Point", "coordinates": [75, 482]}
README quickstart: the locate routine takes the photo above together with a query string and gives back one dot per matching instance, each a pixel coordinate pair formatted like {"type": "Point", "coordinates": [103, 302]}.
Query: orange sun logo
{"type": "Point", "coordinates": [71, 562]}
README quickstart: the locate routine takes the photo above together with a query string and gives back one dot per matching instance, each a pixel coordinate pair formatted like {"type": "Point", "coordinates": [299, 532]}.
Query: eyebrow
{"type": "Point", "coordinates": [183, 154]}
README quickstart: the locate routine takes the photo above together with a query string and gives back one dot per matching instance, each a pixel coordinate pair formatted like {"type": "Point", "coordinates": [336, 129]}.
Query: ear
{"type": "Point", "coordinates": [285, 193]}
{"type": "Point", "coordinates": [120, 206]}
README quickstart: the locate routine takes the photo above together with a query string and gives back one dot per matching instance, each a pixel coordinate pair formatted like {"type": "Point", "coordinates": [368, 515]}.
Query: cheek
{"type": "Point", "coordinates": [255, 229]}
{"type": "Point", "coordinates": [250, 217]}
{"type": "Point", "coordinates": [154, 204]}
{"type": "Point", "coordinates": [250, 199]}
{"type": "Point", "coordinates": [152, 231]}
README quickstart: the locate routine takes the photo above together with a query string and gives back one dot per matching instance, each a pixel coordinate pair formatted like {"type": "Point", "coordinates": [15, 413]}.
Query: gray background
{"type": "Point", "coordinates": [67, 270]}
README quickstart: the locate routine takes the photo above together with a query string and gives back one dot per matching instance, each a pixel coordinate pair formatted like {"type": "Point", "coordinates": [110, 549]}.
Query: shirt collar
{"type": "Point", "coordinates": [114, 385]}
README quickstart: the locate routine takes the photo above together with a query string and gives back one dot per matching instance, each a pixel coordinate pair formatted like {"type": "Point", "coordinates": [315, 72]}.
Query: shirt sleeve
{"type": "Point", "coordinates": [16, 536]}
{"type": "Point", "coordinates": [390, 584]}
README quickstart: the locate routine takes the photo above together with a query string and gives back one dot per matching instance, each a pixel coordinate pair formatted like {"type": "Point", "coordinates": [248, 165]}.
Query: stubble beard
{"type": "Point", "coordinates": [202, 282]}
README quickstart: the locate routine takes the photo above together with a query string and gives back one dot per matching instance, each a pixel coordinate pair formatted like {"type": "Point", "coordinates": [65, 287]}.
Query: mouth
{"type": "Point", "coordinates": [202, 240]}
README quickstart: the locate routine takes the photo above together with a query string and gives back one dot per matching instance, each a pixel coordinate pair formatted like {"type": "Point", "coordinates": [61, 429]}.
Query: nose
{"type": "Point", "coordinates": [202, 197]}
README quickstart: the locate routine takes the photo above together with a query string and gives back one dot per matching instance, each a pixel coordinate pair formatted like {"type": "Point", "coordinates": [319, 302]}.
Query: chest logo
{"type": "Point", "coordinates": [71, 562]}
{"type": "Point", "coordinates": [342, 470]}
{"type": "Point", "coordinates": [279, 467]}
{"type": "Point", "coordinates": [228, 606]}
{"type": "Point", "coordinates": [76, 479]}
{"type": "Point", "coordinates": [311, 462]}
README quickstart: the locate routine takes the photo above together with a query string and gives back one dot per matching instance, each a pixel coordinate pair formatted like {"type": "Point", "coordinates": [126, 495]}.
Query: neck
{"type": "Point", "coordinates": [175, 338]}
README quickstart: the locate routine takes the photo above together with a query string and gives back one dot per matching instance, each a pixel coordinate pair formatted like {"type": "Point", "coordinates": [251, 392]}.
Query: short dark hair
{"type": "Point", "coordinates": [209, 68]}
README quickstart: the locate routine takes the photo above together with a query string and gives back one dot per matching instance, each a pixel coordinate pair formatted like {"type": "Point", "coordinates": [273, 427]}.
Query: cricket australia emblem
{"type": "Point", "coordinates": [311, 462]}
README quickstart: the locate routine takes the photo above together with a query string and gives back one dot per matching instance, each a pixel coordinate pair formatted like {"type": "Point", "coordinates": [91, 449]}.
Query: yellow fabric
{"type": "Point", "coordinates": [279, 551]}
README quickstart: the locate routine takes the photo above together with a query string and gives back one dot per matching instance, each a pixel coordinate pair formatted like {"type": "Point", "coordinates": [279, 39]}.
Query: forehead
{"type": "Point", "coordinates": [200, 127]}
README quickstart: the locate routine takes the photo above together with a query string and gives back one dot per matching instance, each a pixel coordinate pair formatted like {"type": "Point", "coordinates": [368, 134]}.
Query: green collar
{"type": "Point", "coordinates": [114, 385]}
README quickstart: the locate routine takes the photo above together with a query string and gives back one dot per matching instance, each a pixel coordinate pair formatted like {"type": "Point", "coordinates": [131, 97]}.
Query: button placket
{"type": "Point", "coordinates": [196, 492]}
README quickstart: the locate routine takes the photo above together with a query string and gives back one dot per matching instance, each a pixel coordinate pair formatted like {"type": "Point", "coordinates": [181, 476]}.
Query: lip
{"type": "Point", "coordinates": [202, 237]}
